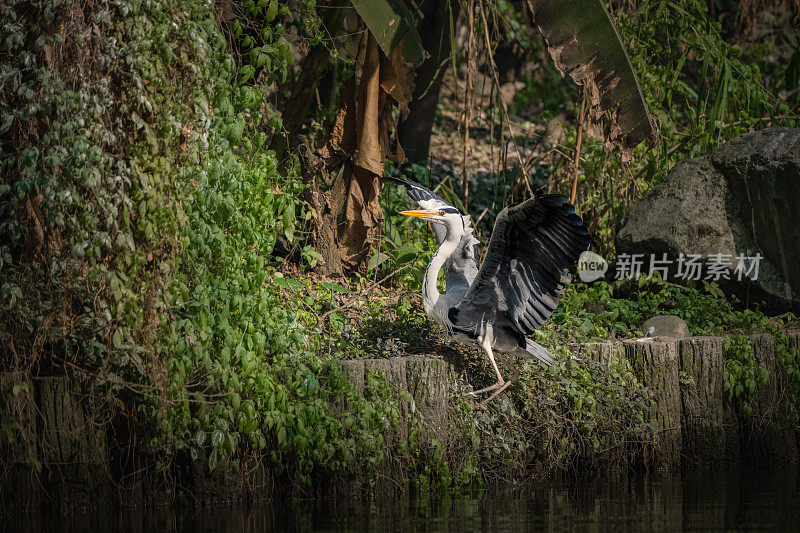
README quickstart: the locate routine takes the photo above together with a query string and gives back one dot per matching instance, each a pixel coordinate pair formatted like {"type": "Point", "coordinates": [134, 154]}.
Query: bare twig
{"type": "Point", "coordinates": [142, 387]}
{"type": "Point", "coordinates": [480, 217]}
{"type": "Point", "coordinates": [768, 120]}
{"type": "Point", "coordinates": [504, 106]}
{"type": "Point", "coordinates": [574, 194]}
{"type": "Point", "coordinates": [468, 89]}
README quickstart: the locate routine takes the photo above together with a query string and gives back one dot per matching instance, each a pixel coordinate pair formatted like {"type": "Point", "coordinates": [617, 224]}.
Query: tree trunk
{"type": "Point", "coordinates": [324, 211]}
{"type": "Point", "coordinates": [415, 131]}
{"type": "Point", "coordinates": [315, 64]}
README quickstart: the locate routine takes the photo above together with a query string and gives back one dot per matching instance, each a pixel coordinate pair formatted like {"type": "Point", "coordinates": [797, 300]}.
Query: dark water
{"type": "Point", "coordinates": [743, 501]}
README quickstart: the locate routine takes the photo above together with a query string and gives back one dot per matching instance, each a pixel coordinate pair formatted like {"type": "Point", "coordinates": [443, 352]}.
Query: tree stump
{"type": "Point", "coordinates": [602, 353]}
{"type": "Point", "coordinates": [768, 436]}
{"type": "Point", "coordinates": [702, 366]}
{"type": "Point", "coordinates": [657, 365]}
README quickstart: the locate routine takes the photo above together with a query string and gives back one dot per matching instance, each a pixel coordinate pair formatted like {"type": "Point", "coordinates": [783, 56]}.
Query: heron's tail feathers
{"type": "Point", "coordinates": [539, 352]}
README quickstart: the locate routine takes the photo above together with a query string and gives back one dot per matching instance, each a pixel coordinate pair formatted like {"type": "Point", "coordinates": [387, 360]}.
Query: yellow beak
{"type": "Point", "coordinates": [421, 213]}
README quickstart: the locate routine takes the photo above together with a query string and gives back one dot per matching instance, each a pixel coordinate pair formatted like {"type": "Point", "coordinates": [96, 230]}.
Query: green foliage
{"type": "Point", "coordinates": [265, 53]}
{"type": "Point", "coordinates": [787, 378]}
{"type": "Point", "coordinates": [589, 410]}
{"type": "Point", "coordinates": [392, 24]}
{"type": "Point", "coordinates": [742, 373]}
{"type": "Point", "coordinates": [606, 310]}
{"type": "Point", "coordinates": [576, 414]}
{"type": "Point", "coordinates": [430, 469]}
{"type": "Point", "coordinates": [159, 210]}
{"type": "Point", "coordinates": [139, 212]}
{"type": "Point", "coordinates": [789, 359]}
{"type": "Point", "coordinates": [618, 309]}
{"type": "Point", "coordinates": [695, 81]}
{"type": "Point", "coordinates": [702, 88]}
{"type": "Point", "coordinates": [405, 242]}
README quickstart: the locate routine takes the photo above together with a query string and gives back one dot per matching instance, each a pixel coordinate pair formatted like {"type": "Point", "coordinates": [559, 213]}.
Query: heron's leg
{"type": "Point", "coordinates": [501, 383]}
{"type": "Point", "coordinates": [487, 346]}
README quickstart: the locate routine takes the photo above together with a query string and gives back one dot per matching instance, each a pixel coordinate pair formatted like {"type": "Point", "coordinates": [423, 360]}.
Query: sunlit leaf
{"type": "Point", "coordinates": [376, 260]}
{"type": "Point", "coordinates": [288, 283]}
{"type": "Point", "coordinates": [406, 253]}
{"type": "Point", "coordinates": [335, 287]}
{"type": "Point", "coordinates": [390, 21]}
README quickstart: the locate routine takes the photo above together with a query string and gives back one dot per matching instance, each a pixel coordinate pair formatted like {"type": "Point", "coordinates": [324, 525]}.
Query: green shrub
{"type": "Point", "coordinates": [140, 211]}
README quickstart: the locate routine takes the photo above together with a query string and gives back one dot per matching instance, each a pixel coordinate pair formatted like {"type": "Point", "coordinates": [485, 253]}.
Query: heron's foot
{"type": "Point", "coordinates": [498, 387]}
{"type": "Point", "coordinates": [494, 395]}
{"type": "Point", "coordinates": [490, 388]}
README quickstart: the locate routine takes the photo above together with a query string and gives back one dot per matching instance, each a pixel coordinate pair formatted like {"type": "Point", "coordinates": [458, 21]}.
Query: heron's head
{"type": "Point", "coordinates": [449, 217]}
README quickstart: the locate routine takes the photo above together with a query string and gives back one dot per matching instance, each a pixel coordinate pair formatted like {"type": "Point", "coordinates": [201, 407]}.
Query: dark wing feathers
{"type": "Point", "coordinates": [527, 264]}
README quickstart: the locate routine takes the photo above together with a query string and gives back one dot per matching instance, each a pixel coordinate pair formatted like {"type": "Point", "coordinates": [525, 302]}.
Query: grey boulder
{"type": "Point", "coordinates": [743, 199]}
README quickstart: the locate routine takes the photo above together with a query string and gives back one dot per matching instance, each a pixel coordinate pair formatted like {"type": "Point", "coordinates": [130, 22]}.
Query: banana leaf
{"type": "Point", "coordinates": [391, 23]}
{"type": "Point", "coordinates": [584, 43]}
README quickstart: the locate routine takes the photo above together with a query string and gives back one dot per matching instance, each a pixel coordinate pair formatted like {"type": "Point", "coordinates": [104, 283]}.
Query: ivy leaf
{"type": "Point", "coordinates": [406, 253]}
{"type": "Point", "coordinates": [246, 72]}
{"type": "Point", "coordinates": [376, 260]}
{"type": "Point", "coordinates": [213, 459]}
{"type": "Point", "coordinates": [335, 287]}
{"type": "Point", "coordinates": [288, 283]}
{"type": "Point", "coordinates": [8, 119]}
{"type": "Point", "coordinates": [34, 462]}
{"type": "Point", "coordinates": [200, 437]}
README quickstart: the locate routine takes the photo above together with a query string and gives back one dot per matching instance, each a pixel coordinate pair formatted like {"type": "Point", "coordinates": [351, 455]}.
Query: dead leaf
{"type": "Point", "coordinates": [341, 142]}
{"type": "Point", "coordinates": [362, 217]}
{"type": "Point", "coordinates": [225, 11]}
{"type": "Point", "coordinates": [48, 53]}
{"type": "Point", "coordinates": [186, 131]}
{"type": "Point", "coordinates": [368, 152]}
{"type": "Point", "coordinates": [584, 43]}
{"type": "Point", "coordinates": [34, 213]}
{"type": "Point", "coordinates": [398, 81]}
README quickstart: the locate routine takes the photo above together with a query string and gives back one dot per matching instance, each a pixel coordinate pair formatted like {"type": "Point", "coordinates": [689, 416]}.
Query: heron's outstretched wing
{"type": "Point", "coordinates": [527, 264]}
{"type": "Point", "coordinates": [462, 265]}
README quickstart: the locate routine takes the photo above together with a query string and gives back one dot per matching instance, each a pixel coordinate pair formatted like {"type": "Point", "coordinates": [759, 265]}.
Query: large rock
{"type": "Point", "coordinates": [742, 199]}
{"type": "Point", "coordinates": [762, 170]}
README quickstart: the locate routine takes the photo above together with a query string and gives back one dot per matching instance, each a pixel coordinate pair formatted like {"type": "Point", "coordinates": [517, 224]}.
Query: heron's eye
{"type": "Point", "coordinates": [441, 213]}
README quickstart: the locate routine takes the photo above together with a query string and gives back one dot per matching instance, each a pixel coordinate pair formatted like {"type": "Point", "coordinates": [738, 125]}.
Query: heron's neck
{"type": "Point", "coordinates": [430, 294]}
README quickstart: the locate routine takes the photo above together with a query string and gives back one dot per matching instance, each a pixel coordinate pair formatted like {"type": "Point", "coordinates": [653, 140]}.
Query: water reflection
{"type": "Point", "coordinates": [735, 501]}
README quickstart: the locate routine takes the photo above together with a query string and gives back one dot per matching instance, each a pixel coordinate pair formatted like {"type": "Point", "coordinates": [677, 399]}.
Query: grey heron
{"type": "Point", "coordinates": [516, 287]}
